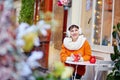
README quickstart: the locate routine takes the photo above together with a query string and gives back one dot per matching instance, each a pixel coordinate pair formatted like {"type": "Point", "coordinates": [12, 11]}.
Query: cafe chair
{"type": "Point", "coordinates": [103, 66]}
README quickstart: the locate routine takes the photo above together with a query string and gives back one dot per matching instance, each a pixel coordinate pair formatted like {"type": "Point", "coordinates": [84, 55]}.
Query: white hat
{"type": "Point", "coordinates": [68, 29]}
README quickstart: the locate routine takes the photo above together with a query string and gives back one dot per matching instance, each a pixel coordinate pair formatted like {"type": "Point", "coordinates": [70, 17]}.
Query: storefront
{"type": "Point", "coordinates": [96, 18]}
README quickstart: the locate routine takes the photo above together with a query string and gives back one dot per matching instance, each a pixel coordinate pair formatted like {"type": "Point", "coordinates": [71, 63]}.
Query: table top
{"type": "Point", "coordinates": [81, 63]}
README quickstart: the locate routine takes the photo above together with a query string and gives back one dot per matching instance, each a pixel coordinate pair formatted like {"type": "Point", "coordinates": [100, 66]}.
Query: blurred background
{"type": "Point", "coordinates": [32, 31]}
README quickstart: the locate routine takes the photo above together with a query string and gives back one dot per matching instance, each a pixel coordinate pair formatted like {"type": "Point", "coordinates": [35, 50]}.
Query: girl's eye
{"type": "Point", "coordinates": [72, 30]}
{"type": "Point", "coordinates": [76, 30]}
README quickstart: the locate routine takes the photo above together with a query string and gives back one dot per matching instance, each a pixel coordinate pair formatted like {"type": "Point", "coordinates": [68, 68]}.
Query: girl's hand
{"type": "Point", "coordinates": [76, 57]}
{"type": "Point", "coordinates": [70, 58]}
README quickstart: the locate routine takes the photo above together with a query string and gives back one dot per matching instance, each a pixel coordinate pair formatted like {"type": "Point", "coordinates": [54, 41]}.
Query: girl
{"type": "Point", "coordinates": [75, 44]}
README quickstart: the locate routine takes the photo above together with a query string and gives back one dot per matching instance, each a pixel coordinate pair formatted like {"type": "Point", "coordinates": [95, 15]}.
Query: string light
{"type": "Point", "coordinates": [96, 31]}
{"type": "Point", "coordinates": [99, 2]}
{"type": "Point", "coordinates": [94, 11]}
{"type": "Point", "coordinates": [98, 17]}
{"type": "Point", "coordinates": [96, 26]}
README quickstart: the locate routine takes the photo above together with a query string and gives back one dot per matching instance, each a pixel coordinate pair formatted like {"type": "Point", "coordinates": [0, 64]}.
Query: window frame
{"type": "Point", "coordinates": [101, 48]}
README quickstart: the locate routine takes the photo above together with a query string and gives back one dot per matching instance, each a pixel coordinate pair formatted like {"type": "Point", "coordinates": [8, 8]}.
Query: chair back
{"type": "Point", "coordinates": [103, 66]}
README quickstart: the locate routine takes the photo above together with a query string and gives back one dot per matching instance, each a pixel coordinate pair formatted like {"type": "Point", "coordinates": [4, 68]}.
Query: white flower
{"type": "Point", "coordinates": [8, 4]}
{"type": "Point", "coordinates": [23, 69]}
{"type": "Point", "coordinates": [32, 28]}
{"type": "Point", "coordinates": [32, 60]}
{"type": "Point", "coordinates": [22, 29]}
{"type": "Point", "coordinates": [46, 26]}
{"type": "Point", "coordinates": [36, 41]}
{"type": "Point", "coordinates": [42, 27]}
{"type": "Point", "coordinates": [20, 42]}
{"type": "Point", "coordinates": [44, 32]}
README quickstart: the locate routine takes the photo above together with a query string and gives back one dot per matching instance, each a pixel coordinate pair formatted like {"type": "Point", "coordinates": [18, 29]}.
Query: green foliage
{"type": "Point", "coordinates": [118, 27]}
{"type": "Point", "coordinates": [60, 72]}
{"type": "Point", "coordinates": [114, 34]}
{"type": "Point", "coordinates": [113, 57]}
{"type": "Point", "coordinates": [110, 77]}
{"type": "Point", "coordinates": [39, 78]}
{"type": "Point", "coordinates": [27, 11]}
{"type": "Point", "coordinates": [115, 74]}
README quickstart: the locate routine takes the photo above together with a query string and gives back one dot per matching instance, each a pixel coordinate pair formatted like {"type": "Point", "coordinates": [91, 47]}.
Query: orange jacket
{"type": "Point", "coordinates": [85, 52]}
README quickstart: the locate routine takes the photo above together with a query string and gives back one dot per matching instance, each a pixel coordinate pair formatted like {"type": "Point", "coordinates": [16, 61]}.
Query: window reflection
{"type": "Point", "coordinates": [107, 23]}
{"type": "Point", "coordinates": [103, 22]}
{"type": "Point", "coordinates": [117, 12]}
{"type": "Point", "coordinates": [97, 26]}
{"type": "Point", "coordinates": [105, 16]}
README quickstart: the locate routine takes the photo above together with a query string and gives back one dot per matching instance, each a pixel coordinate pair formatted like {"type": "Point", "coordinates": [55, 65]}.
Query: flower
{"type": "Point", "coordinates": [28, 36]}
{"type": "Point", "coordinates": [59, 3]}
{"type": "Point", "coordinates": [32, 59]}
{"type": "Point", "coordinates": [65, 3]}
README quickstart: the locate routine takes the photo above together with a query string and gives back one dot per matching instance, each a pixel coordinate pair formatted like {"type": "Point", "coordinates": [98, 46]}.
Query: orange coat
{"type": "Point", "coordinates": [85, 52]}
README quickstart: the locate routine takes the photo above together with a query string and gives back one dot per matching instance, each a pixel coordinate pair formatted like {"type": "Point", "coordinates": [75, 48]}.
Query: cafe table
{"type": "Point", "coordinates": [86, 63]}
{"type": "Point", "coordinates": [81, 63]}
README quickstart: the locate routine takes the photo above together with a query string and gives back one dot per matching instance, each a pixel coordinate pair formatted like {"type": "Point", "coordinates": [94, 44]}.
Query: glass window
{"type": "Point", "coordinates": [107, 23]}
{"type": "Point", "coordinates": [103, 22]}
{"type": "Point", "coordinates": [117, 12]}
{"type": "Point", "coordinates": [102, 25]}
{"type": "Point", "coordinates": [97, 22]}
{"type": "Point", "coordinates": [86, 18]}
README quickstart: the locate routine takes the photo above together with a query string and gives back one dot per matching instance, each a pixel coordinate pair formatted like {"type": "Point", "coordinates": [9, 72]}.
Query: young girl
{"type": "Point", "coordinates": [75, 44]}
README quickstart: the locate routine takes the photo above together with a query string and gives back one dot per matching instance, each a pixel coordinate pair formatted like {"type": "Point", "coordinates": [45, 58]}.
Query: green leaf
{"type": "Point", "coordinates": [117, 64]}
{"type": "Point", "coordinates": [114, 34]}
{"type": "Point", "coordinates": [117, 75]}
{"type": "Point", "coordinates": [27, 11]}
{"type": "Point", "coordinates": [116, 50]}
{"type": "Point", "coordinates": [110, 76]}
{"type": "Point", "coordinates": [114, 27]}
{"type": "Point", "coordinates": [39, 78]}
{"type": "Point", "coordinates": [118, 27]}
{"type": "Point", "coordinates": [50, 77]}
{"type": "Point", "coordinates": [113, 57]}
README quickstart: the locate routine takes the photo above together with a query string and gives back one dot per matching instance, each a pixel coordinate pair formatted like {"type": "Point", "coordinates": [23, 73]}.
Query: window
{"type": "Point", "coordinates": [103, 17]}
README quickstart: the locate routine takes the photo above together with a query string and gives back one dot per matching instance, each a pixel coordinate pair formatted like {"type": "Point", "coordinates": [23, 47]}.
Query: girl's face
{"type": "Point", "coordinates": [74, 33]}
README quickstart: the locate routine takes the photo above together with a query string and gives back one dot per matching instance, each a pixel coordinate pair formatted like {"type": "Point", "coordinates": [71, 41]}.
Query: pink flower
{"type": "Point", "coordinates": [59, 3]}
{"type": "Point", "coordinates": [64, 2]}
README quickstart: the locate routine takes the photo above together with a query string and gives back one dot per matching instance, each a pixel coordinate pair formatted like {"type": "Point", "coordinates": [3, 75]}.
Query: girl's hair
{"type": "Point", "coordinates": [73, 26]}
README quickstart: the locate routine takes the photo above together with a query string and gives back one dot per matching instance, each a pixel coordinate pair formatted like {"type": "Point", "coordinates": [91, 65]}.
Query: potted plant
{"type": "Point", "coordinates": [115, 74]}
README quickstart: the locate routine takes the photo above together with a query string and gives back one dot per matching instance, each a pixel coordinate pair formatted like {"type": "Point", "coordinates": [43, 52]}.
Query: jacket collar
{"type": "Point", "coordinates": [69, 44]}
